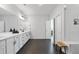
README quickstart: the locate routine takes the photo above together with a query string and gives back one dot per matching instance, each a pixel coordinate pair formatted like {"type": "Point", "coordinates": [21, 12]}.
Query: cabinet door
{"type": "Point", "coordinates": [27, 36]}
{"type": "Point", "coordinates": [2, 47]}
{"type": "Point", "coordinates": [17, 44]}
{"type": "Point", "coordinates": [21, 44]}
{"type": "Point", "coordinates": [23, 39]}
{"type": "Point", "coordinates": [10, 45]}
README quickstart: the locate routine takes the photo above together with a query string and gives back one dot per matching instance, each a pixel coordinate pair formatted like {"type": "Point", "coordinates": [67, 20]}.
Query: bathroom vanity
{"type": "Point", "coordinates": [11, 43]}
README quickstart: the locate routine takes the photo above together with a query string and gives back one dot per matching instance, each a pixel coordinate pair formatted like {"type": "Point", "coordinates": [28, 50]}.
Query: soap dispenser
{"type": "Point", "coordinates": [10, 30]}
{"type": "Point", "coordinates": [14, 30]}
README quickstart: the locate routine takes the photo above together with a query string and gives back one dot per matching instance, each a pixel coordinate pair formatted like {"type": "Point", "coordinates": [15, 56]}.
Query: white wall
{"type": "Point", "coordinates": [10, 21]}
{"type": "Point", "coordinates": [1, 26]}
{"type": "Point", "coordinates": [38, 26]}
{"type": "Point", "coordinates": [58, 15]}
{"type": "Point", "coordinates": [71, 30]}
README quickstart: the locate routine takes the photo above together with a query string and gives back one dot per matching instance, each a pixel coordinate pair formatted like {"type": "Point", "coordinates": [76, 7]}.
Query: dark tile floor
{"type": "Point", "coordinates": [44, 46]}
{"type": "Point", "coordinates": [38, 46]}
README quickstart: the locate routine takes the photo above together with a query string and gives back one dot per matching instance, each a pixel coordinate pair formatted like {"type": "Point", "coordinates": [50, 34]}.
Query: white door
{"type": "Point", "coordinates": [48, 29]}
{"type": "Point", "coordinates": [2, 47]}
{"type": "Point", "coordinates": [58, 28]}
{"type": "Point", "coordinates": [10, 46]}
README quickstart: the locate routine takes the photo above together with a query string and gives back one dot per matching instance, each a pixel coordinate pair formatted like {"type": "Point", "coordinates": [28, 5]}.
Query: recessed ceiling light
{"type": "Point", "coordinates": [25, 4]}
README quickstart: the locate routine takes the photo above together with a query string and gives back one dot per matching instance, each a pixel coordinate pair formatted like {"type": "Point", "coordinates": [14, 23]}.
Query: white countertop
{"type": "Point", "coordinates": [5, 35]}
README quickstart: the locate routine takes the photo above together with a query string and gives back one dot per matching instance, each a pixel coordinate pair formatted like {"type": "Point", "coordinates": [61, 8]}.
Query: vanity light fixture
{"type": "Point", "coordinates": [24, 4]}
{"type": "Point", "coordinates": [21, 17]}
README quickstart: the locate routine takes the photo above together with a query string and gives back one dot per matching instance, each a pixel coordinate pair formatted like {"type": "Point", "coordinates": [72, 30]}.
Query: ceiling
{"type": "Point", "coordinates": [4, 12]}
{"type": "Point", "coordinates": [9, 9]}
{"type": "Point", "coordinates": [27, 9]}
{"type": "Point", "coordinates": [36, 9]}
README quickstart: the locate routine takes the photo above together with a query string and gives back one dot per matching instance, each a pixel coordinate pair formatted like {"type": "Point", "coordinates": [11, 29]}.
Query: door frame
{"type": "Point", "coordinates": [54, 31]}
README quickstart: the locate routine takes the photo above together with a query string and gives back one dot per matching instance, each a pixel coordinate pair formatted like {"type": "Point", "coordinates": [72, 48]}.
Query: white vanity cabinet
{"type": "Point", "coordinates": [20, 40]}
{"type": "Point", "coordinates": [10, 45]}
{"type": "Point", "coordinates": [2, 47]}
{"type": "Point", "coordinates": [23, 39]}
{"type": "Point", "coordinates": [21, 44]}
{"type": "Point", "coordinates": [27, 36]}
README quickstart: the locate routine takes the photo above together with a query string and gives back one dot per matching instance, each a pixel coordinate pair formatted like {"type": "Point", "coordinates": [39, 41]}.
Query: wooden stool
{"type": "Point", "coordinates": [61, 45]}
